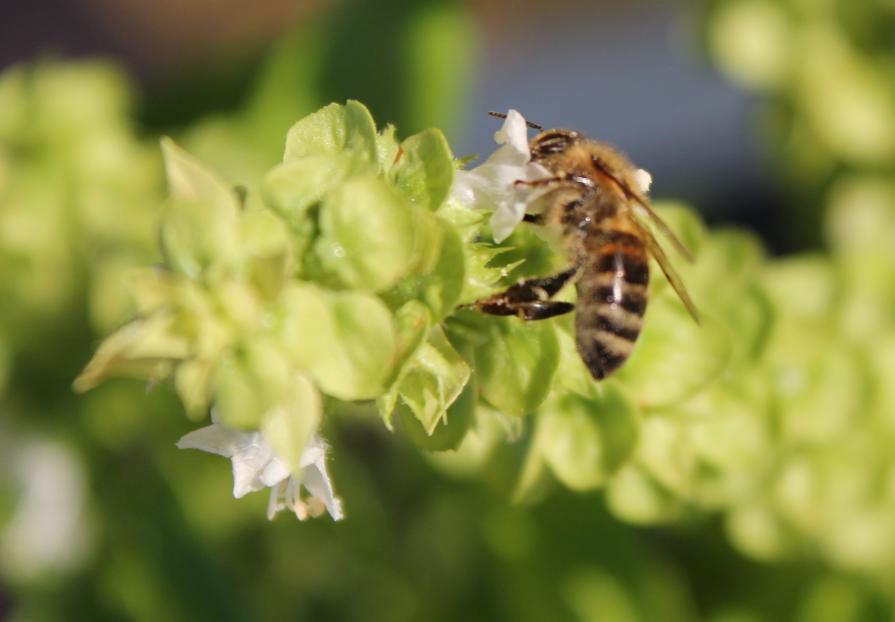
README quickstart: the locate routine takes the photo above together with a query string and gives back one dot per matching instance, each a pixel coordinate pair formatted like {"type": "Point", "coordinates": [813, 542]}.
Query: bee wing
{"type": "Point", "coordinates": [642, 207]}
{"type": "Point", "coordinates": [652, 246]}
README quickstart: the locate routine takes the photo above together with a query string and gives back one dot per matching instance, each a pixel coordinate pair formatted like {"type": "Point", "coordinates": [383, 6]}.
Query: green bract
{"type": "Point", "coordinates": [335, 130]}
{"type": "Point", "coordinates": [424, 169]}
{"type": "Point", "coordinates": [366, 235]}
{"type": "Point", "coordinates": [429, 382]}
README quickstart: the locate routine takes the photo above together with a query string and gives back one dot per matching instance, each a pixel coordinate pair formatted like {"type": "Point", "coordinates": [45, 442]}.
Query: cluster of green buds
{"type": "Point", "coordinates": [68, 159]}
{"type": "Point", "coordinates": [345, 279]}
{"type": "Point", "coordinates": [824, 72]}
{"type": "Point", "coordinates": [348, 278]}
{"type": "Point", "coordinates": [79, 197]}
{"type": "Point", "coordinates": [824, 69]}
{"type": "Point", "coordinates": [328, 282]}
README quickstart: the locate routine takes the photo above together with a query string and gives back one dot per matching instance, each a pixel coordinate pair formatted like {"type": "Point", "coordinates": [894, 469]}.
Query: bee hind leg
{"type": "Point", "coordinates": [543, 309]}
{"type": "Point", "coordinates": [530, 299]}
{"type": "Point", "coordinates": [537, 310]}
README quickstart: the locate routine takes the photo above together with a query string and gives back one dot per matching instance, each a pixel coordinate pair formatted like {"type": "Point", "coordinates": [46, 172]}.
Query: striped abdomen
{"type": "Point", "coordinates": [612, 295]}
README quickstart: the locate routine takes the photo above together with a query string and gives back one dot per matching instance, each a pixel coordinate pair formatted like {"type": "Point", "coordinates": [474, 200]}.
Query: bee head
{"type": "Point", "coordinates": [551, 142]}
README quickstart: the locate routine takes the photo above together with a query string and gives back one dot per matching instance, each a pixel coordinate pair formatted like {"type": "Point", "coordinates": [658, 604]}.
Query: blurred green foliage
{"type": "Point", "coordinates": [744, 467]}
{"type": "Point", "coordinates": [823, 73]}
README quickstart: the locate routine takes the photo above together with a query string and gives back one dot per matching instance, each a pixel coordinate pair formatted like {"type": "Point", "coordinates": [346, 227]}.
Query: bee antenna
{"type": "Point", "coordinates": [533, 126]}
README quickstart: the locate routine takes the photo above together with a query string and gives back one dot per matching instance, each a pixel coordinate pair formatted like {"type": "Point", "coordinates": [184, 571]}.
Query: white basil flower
{"type": "Point", "coordinates": [256, 466]}
{"type": "Point", "coordinates": [492, 185]}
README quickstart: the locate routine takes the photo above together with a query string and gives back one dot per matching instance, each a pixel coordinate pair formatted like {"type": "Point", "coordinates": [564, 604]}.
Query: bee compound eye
{"type": "Point", "coordinates": [552, 142]}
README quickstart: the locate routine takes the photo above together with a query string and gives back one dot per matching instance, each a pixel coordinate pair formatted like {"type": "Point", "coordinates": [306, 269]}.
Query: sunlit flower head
{"type": "Point", "coordinates": [256, 466]}
{"type": "Point", "coordinates": [492, 185]}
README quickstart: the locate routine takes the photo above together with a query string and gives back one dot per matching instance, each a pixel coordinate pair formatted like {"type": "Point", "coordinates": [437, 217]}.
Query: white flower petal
{"type": "Point", "coordinates": [493, 185]}
{"type": "Point", "coordinates": [316, 480]}
{"type": "Point", "coordinates": [505, 219]}
{"type": "Point", "coordinates": [314, 452]}
{"type": "Point", "coordinates": [274, 504]}
{"type": "Point", "coordinates": [214, 439]}
{"type": "Point", "coordinates": [464, 187]}
{"type": "Point", "coordinates": [514, 132]}
{"type": "Point", "coordinates": [255, 466]}
{"type": "Point", "coordinates": [274, 472]}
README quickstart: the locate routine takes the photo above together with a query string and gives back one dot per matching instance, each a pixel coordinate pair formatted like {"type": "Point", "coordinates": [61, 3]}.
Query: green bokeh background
{"type": "Point", "coordinates": [155, 534]}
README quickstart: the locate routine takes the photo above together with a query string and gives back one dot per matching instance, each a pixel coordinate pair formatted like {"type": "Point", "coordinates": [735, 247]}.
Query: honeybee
{"type": "Point", "coordinates": [593, 201]}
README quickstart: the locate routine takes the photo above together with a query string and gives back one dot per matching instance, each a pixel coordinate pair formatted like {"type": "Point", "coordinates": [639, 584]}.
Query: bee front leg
{"type": "Point", "coordinates": [530, 299]}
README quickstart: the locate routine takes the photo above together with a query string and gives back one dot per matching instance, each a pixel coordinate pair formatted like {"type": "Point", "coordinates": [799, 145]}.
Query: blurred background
{"type": "Point", "coordinates": [760, 113]}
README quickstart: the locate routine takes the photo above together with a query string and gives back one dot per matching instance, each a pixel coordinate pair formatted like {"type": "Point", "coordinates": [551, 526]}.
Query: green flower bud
{"type": "Point", "coordinates": [345, 340]}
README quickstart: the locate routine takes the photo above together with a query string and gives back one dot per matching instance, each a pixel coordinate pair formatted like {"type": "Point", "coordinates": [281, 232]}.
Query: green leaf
{"type": "Point", "coordinates": [332, 130]}
{"type": "Point", "coordinates": [432, 380]}
{"type": "Point", "coordinates": [674, 358]}
{"type": "Point", "coordinates": [440, 285]}
{"type": "Point", "coordinates": [667, 453]}
{"type": "Point", "coordinates": [425, 169]}
{"type": "Point", "coordinates": [412, 323]}
{"type": "Point", "coordinates": [145, 348]}
{"type": "Point", "coordinates": [636, 497]}
{"type": "Point", "coordinates": [489, 433]}
{"type": "Point", "coordinates": [449, 430]}
{"type": "Point", "coordinates": [728, 262]}
{"type": "Point", "coordinates": [294, 186]}
{"type": "Point", "coordinates": [248, 382]}
{"type": "Point", "coordinates": [586, 439]}
{"type": "Point", "coordinates": [191, 181]}
{"type": "Point", "coordinates": [685, 223]}
{"type": "Point", "coordinates": [524, 254]}
{"type": "Point", "coordinates": [345, 340]}
{"type": "Point", "coordinates": [290, 424]}
{"type": "Point", "coordinates": [860, 218]}
{"type": "Point", "coordinates": [803, 287]}
{"type": "Point", "coordinates": [268, 251]}
{"type": "Point", "coordinates": [199, 234]}
{"type": "Point", "coordinates": [572, 374]}
{"type": "Point", "coordinates": [820, 387]}
{"type": "Point", "coordinates": [754, 528]}
{"type": "Point", "coordinates": [74, 101]}
{"type": "Point", "coordinates": [598, 595]}
{"type": "Point", "coordinates": [367, 235]}
{"type": "Point", "coordinates": [192, 381]}
{"type": "Point", "coordinates": [387, 148]}
{"type": "Point", "coordinates": [199, 241]}
{"type": "Point", "coordinates": [515, 361]}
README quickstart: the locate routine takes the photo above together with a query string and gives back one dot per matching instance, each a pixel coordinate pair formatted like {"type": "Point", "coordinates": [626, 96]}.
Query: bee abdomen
{"type": "Point", "coordinates": [612, 296]}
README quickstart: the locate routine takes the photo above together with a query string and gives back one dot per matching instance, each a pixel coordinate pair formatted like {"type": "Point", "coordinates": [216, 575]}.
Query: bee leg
{"type": "Point", "coordinates": [559, 179]}
{"type": "Point", "coordinates": [530, 299]}
{"type": "Point", "coordinates": [535, 183]}
{"type": "Point", "coordinates": [543, 309]}
{"type": "Point", "coordinates": [535, 310]}
{"type": "Point", "coordinates": [537, 288]}
{"type": "Point", "coordinates": [535, 219]}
